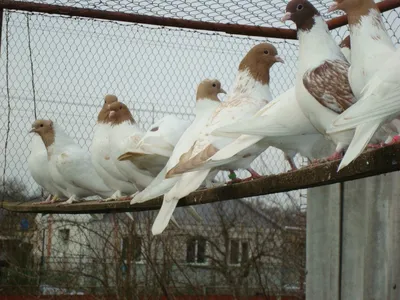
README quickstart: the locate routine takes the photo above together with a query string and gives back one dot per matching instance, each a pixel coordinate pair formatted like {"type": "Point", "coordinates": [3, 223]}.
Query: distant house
{"type": "Point", "coordinates": [231, 247]}
{"type": "Point", "coordinates": [16, 232]}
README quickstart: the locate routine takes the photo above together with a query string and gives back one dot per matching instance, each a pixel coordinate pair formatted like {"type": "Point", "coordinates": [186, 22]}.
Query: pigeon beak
{"type": "Point", "coordinates": [222, 91]}
{"type": "Point", "coordinates": [33, 130]}
{"type": "Point", "coordinates": [286, 17]}
{"type": "Point", "coordinates": [279, 59]}
{"type": "Point", "coordinates": [333, 7]}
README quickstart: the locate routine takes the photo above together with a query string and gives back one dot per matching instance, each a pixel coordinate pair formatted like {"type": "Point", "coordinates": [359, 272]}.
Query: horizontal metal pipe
{"type": "Point", "coordinates": [152, 20]}
{"type": "Point", "coordinates": [383, 6]}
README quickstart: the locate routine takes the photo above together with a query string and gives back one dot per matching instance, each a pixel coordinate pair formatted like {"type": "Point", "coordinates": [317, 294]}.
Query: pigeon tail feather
{"type": "Point", "coordinates": [187, 184]}
{"type": "Point", "coordinates": [361, 138]}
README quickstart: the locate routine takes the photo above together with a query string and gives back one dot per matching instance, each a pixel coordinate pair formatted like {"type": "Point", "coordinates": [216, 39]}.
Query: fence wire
{"type": "Point", "coordinates": [60, 68]}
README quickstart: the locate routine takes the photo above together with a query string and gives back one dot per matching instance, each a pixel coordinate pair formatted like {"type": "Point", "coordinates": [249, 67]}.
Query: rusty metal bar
{"type": "Point", "coordinates": [383, 6]}
{"type": "Point", "coordinates": [152, 20]}
{"type": "Point", "coordinates": [370, 163]}
{"type": "Point", "coordinates": [173, 22]}
{"type": "Point", "coordinates": [1, 24]}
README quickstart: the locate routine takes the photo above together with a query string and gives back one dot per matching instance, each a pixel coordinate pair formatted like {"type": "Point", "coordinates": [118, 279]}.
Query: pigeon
{"type": "Point", "coordinates": [101, 154]}
{"type": "Point", "coordinates": [69, 165]}
{"type": "Point", "coordinates": [250, 93]}
{"type": "Point", "coordinates": [373, 76]}
{"type": "Point", "coordinates": [322, 84]}
{"type": "Point", "coordinates": [38, 167]}
{"type": "Point", "coordinates": [125, 134]}
{"type": "Point", "coordinates": [206, 102]}
{"type": "Point", "coordinates": [270, 127]}
{"type": "Point", "coordinates": [154, 149]}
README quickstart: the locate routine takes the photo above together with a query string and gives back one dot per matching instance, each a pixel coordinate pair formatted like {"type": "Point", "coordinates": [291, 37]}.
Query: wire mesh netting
{"type": "Point", "coordinates": [60, 68]}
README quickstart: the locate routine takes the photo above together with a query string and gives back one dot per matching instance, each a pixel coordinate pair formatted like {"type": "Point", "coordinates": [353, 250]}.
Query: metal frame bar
{"type": "Point", "coordinates": [1, 23]}
{"type": "Point", "coordinates": [248, 30]}
{"type": "Point", "coordinates": [151, 20]}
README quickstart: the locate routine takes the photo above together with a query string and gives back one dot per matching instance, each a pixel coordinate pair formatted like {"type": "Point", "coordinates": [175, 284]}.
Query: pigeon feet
{"type": "Point", "coordinates": [122, 198]}
{"type": "Point", "coordinates": [70, 201]}
{"type": "Point", "coordinates": [254, 175]}
{"type": "Point", "coordinates": [375, 146]}
{"type": "Point", "coordinates": [336, 155]}
{"type": "Point", "coordinates": [395, 140]}
{"type": "Point", "coordinates": [49, 200]}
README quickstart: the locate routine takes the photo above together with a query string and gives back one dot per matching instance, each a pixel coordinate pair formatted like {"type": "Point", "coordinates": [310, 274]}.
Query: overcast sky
{"type": "Point", "coordinates": [154, 71]}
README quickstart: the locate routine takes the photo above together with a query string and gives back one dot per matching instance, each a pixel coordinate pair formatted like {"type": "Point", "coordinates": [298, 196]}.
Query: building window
{"type": "Point", "coordinates": [238, 252]}
{"type": "Point", "coordinates": [196, 251]}
{"type": "Point", "coordinates": [64, 234]}
{"type": "Point", "coordinates": [132, 248]}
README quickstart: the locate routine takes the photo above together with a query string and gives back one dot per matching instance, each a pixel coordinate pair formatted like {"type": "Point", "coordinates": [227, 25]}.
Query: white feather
{"type": "Point", "coordinates": [160, 185]}
{"type": "Point", "coordinates": [71, 168]}
{"type": "Point", "coordinates": [38, 166]}
{"type": "Point", "coordinates": [104, 165]}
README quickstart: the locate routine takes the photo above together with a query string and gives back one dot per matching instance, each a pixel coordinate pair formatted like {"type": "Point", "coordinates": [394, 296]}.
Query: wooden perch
{"type": "Point", "coordinates": [370, 163]}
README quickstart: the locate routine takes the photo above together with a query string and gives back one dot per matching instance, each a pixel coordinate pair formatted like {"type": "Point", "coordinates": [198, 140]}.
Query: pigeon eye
{"type": "Point", "coordinates": [214, 85]}
{"type": "Point", "coordinates": [299, 7]}
{"type": "Point", "coordinates": [266, 52]}
{"type": "Point", "coordinates": [41, 125]}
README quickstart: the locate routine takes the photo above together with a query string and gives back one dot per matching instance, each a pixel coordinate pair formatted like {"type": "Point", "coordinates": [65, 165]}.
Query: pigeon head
{"type": "Point", "coordinates": [45, 129]}
{"type": "Point", "coordinates": [353, 7]}
{"type": "Point", "coordinates": [119, 113]}
{"type": "Point", "coordinates": [103, 114]}
{"type": "Point", "coordinates": [302, 13]}
{"type": "Point", "coordinates": [209, 89]}
{"type": "Point", "coordinates": [259, 60]}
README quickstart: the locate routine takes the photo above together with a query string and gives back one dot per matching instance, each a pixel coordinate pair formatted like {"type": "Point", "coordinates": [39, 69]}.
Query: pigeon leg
{"type": "Point", "coordinates": [233, 178]}
{"type": "Point", "coordinates": [375, 146]}
{"type": "Point", "coordinates": [253, 173]}
{"type": "Point", "coordinates": [54, 199]}
{"type": "Point", "coordinates": [47, 201]}
{"type": "Point", "coordinates": [291, 163]}
{"type": "Point", "coordinates": [395, 140]}
{"type": "Point", "coordinates": [71, 200]}
{"type": "Point", "coordinates": [114, 197]}
{"type": "Point", "coordinates": [336, 155]}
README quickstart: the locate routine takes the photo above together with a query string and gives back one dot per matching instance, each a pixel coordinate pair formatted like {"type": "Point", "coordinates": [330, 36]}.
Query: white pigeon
{"type": "Point", "coordinates": [374, 77]}
{"type": "Point", "coordinates": [281, 124]}
{"type": "Point", "coordinates": [124, 135]}
{"type": "Point", "coordinates": [206, 102]}
{"type": "Point", "coordinates": [250, 93]}
{"type": "Point", "coordinates": [101, 154]}
{"type": "Point", "coordinates": [69, 165]}
{"type": "Point", "coordinates": [39, 169]}
{"type": "Point", "coordinates": [322, 85]}
{"type": "Point", "coordinates": [154, 149]}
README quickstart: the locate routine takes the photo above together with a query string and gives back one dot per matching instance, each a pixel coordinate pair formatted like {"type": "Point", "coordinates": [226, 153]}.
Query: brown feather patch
{"type": "Point", "coordinates": [195, 161]}
{"type": "Point", "coordinates": [329, 85]}
{"type": "Point", "coordinates": [130, 155]}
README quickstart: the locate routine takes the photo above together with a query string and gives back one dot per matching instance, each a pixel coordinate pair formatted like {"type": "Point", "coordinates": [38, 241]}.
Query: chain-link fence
{"type": "Point", "coordinates": [60, 68]}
